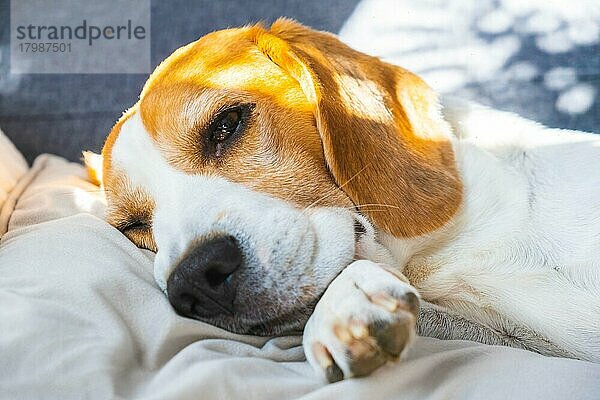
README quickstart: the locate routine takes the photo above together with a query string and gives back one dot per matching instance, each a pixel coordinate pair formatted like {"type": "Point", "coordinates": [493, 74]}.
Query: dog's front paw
{"type": "Point", "coordinates": [366, 318]}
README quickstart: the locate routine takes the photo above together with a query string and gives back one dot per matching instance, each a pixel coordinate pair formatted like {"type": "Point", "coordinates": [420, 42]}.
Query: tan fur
{"type": "Point", "coordinates": [126, 203]}
{"type": "Point", "coordinates": [387, 150]}
{"type": "Point", "coordinates": [399, 157]}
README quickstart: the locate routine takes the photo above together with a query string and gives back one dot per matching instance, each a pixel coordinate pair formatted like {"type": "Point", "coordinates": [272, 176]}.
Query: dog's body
{"type": "Point", "coordinates": [524, 249]}
{"type": "Point", "coordinates": [250, 151]}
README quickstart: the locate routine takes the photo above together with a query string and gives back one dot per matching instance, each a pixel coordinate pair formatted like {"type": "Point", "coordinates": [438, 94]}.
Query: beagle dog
{"type": "Point", "coordinates": [288, 182]}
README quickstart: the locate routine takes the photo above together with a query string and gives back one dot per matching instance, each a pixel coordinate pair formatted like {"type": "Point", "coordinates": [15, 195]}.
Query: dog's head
{"type": "Point", "coordinates": [257, 163]}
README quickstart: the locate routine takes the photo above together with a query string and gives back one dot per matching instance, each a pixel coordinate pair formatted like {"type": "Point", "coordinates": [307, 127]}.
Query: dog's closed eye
{"type": "Point", "coordinates": [139, 231]}
{"type": "Point", "coordinates": [133, 225]}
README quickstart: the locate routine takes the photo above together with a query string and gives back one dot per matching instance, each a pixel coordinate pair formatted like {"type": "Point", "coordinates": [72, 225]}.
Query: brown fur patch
{"type": "Point", "coordinates": [330, 126]}
{"type": "Point", "coordinates": [280, 152]}
{"type": "Point", "coordinates": [126, 204]}
{"type": "Point", "coordinates": [396, 156]}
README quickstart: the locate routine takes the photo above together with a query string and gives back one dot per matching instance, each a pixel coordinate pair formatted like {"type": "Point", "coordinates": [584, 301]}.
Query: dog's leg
{"type": "Point", "coordinates": [366, 317]}
{"type": "Point", "coordinates": [441, 323]}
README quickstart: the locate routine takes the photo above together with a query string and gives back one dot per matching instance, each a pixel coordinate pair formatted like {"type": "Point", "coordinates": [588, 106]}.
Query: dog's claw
{"type": "Point", "coordinates": [343, 333]}
{"type": "Point", "coordinates": [386, 301]}
{"type": "Point", "coordinates": [333, 373]}
{"type": "Point", "coordinates": [359, 329]}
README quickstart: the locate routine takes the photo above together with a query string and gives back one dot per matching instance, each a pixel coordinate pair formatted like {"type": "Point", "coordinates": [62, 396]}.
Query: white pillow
{"type": "Point", "coordinates": [54, 188]}
{"type": "Point", "coordinates": [81, 315]}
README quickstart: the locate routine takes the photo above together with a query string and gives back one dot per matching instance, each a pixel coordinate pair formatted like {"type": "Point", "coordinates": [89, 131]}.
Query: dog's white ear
{"type": "Point", "coordinates": [384, 139]}
{"type": "Point", "coordinates": [93, 164]}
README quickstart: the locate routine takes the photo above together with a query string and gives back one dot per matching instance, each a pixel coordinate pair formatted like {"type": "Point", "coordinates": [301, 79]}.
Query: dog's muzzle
{"type": "Point", "coordinates": [219, 280]}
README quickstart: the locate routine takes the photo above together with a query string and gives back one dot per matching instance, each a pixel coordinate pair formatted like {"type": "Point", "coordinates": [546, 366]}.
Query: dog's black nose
{"type": "Point", "coordinates": [203, 283]}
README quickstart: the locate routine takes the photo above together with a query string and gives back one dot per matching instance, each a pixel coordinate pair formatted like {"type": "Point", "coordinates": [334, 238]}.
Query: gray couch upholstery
{"type": "Point", "coordinates": [64, 114]}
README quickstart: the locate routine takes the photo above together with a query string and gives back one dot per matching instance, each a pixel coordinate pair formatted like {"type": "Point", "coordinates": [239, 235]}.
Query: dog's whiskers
{"type": "Point", "coordinates": [332, 191]}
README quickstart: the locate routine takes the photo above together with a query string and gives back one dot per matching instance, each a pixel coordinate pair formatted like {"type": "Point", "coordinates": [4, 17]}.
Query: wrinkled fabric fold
{"type": "Point", "coordinates": [82, 317]}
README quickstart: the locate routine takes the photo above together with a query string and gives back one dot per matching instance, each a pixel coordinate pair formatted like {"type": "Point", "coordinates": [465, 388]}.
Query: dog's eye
{"type": "Point", "coordinates": [226, 128]}
{"type": "Point", "coordinates": [227, 125]}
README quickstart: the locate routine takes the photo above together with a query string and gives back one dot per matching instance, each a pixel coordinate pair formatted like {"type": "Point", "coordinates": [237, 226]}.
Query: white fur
{"type": "Point", "coordinates": [526, 243]}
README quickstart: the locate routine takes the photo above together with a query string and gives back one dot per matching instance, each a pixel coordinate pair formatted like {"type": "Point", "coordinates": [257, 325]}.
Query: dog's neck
{"type": "Point", "coordinates": [509, 167]}
{"type": "Point", "coordinates": [491, 193]}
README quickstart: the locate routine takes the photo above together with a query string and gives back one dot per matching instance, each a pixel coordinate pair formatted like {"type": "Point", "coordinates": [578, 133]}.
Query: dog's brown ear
{"type": "Point", "coordinates": [384, 139]}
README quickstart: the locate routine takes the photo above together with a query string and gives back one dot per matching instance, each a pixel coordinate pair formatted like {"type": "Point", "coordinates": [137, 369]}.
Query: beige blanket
{"type": "Point", "coordinates": [81, 318]}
